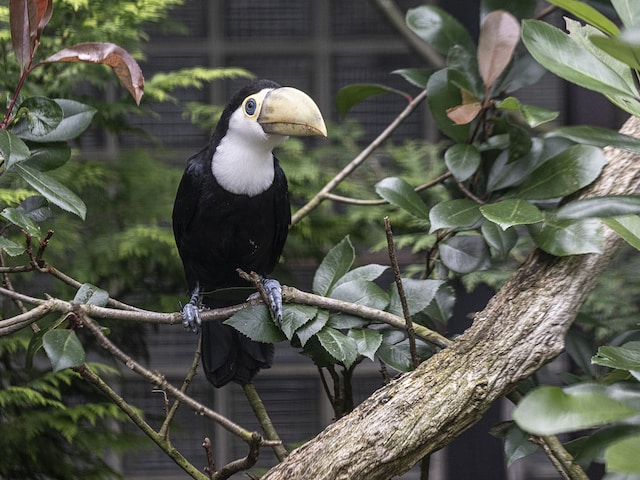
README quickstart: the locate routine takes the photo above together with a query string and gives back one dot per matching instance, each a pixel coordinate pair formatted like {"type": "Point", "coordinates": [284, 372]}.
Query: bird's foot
{"type": "Point", "coordinates": [191, 314]}
{"type": "Point", "coordinates": [273, 290]}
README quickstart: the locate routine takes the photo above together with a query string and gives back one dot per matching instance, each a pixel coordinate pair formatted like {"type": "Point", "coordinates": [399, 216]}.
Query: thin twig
{"type": "Point", "coordinates": [265, 421]}
{"type": "Point", "coordinates": [208, 449]}
{"type": "Point", "coordinates": [356, 162]}
{"type": "Point", "coordinates": [403, 298]}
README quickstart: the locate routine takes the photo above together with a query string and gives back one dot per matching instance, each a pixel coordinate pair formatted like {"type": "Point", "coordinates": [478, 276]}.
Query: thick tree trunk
{"type": "Point", "coordinates": [522, 328]}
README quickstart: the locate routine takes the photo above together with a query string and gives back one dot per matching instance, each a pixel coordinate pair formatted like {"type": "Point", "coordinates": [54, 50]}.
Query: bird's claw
{"type": "Point", "coordinates": [273, 290]}
{"type": "Point", "coordinates": [191, 317]}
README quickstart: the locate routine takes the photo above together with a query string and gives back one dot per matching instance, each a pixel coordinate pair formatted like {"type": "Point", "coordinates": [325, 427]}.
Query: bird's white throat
{"type": "Point", "coordinates": [243, 161]}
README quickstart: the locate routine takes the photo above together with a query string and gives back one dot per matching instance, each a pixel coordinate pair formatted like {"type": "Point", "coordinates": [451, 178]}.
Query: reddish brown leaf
{"type": "Point", "coordinates": [23, 19]}
{"type": "Point", "coordinates": [463, 114]}
{"type": "Point", "coordinates": [125, 67]}
{"type": "Point", "coordinates": [45, 10]}
{"type": "Point", "coordinates": [499, 36]}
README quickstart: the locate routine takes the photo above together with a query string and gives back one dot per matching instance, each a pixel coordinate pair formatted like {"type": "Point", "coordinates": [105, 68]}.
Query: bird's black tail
{"type": "Point", "coordinates": [228, 355]}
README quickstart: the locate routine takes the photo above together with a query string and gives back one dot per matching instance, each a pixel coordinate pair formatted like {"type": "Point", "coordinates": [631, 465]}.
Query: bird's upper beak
{"type": "Point", "coordinates": [288, 111]}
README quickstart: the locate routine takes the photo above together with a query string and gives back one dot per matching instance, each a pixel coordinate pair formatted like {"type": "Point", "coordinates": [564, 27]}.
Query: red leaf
{"type": "Point", "coordinates": [125, 67]}
{"type": "Point", "coordinates": [23, 19]}
{"type": "Point", "coordinates": [45, 10]}
{"type": "Point", "coordinates": [499, 36]}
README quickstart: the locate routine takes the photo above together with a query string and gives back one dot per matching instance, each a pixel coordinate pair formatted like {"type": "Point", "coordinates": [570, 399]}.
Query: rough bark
{"type": "Point", "coordinates": [522, 328]}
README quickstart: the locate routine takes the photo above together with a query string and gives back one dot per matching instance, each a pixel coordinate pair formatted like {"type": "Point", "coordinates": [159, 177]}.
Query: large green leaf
{"type": "Point", "coordinates": [563, 174]}
{"type": "Point", "coordinates": [415, 76]}
{"type": "Point", "coordinates": [42, 115]}
{"type": "Point", "coordinates": [92, 295]}
{"type": "Point", "coordinates": [255, 322]}
{"type": "Point", "coordinates": [568, 237]}
{"type": "Point", "coordinates": [552, 410]}
{"type": "Point", "coordinates": [465, 253]}
{"type": "Point", "coordinates": [339, 346]}
{"type": "Point", "coordinates": [589, 14]}
{"type": "Point", "coordinates": [351, 95]}
{"type": "Point", "coordinates": [462, 160]}
{"type": "Point", "coordinates": [366, 273]}
{"type": "Point", "coordinates": [622, 456]}
{"type": "Point", "coordinates": [598, 136]}
{"type": "Point", "coordinates": [441, 307]}
{"type": "Point", "coordinates": [441, 96]}
{"type": "Point", "coordinates": [63, 349]}
{"type": "Point", "coordinates": [12, 148]}
{"type": "Point", "coordinates": [398, 192]}
{"type": "Point", "coordinates": [438, 28]}
{"type": "Point", "coordinates": [460, 213]}
{"type": "Point", "coordinates": [361, 292]}
{"type": "Point", "coordinates": [52, 190]}
{"type": "Point", "coordinates": [367, 341]}
{"type": "Point", "coordinates": [628, 11]}
{"type": "Point", "coordinates": [508, 172]}
{"type": "Point", "coordinates": [10, 247]}
{"type": "Point", "coordinates": [77, 118]}
{"type": "Point", "coordinates": [625, 48]}
{"type": "Point", "coordinates": [508, 213]}
{"type": "Point", "coordinates": [534, 116]}
{"type": "Point", "coordinates": [628, 227]}
{"type": "Point", "coordinates": [335, 264]}
{"type": "Point", "coordinates": [418, 293]}
{"type": "Point", "coordinates": [306, 332]}
{"type": "Point", "coordinates": [517, 444]}
{"type": "Point", "coordinates": [296, 316]}
{"type": "Point", "coordinates": [624, 357]}
{"type": "Point", "coordinates": [22, 221]}
{"type": "Point", "coordinates": [502, 241]}
{"type": "Point", "coordinates": [606, 206]}
{"type": "Point", "coordinates": [48, 156]}
{"type": "Point", "coordinates": [565, 57]}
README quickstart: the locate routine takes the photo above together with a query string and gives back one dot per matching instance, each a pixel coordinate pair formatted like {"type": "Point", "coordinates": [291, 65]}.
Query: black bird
{"type": "Point", "coordinates": [232, 211]}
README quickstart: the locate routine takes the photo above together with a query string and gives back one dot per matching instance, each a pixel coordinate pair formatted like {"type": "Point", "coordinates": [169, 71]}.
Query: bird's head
{"type": "Point", "coordinates": [258, 118]}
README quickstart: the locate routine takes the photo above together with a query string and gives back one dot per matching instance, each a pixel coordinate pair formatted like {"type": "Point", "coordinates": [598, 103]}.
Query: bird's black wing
{"type": "Point", "coordinates": [282, 212]}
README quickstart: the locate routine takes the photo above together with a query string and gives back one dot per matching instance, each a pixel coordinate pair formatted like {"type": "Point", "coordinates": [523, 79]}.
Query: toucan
{"type": "Point", "coordinates": [232, 212]}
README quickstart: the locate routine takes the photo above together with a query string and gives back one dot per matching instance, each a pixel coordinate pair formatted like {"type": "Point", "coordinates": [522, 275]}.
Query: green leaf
{"type": "Point", "coordinates": [520, 9]}
{"type": "Point", "coordinates": [52, 190]}
{"type": "Point", "coordinates": [395, 350]}
{"type": "Point", "coordinates": [91, 295]}
{"type": "Point", "coordinates": [508, 213]}
{"type": "Point", "coordinates": [367, 341]}
{"type": "Point", "coordinates": [296, 316]}
{"type": "Point", "coordinates": [564, 174]}
{"type": "Point", "coordinates": [534, 116]}
{"type": "Point", "coordinates": [507, 172]}
{"type": "Point", "coordinates": [565, 57]}
{"type": "Point", "coordinates": [597, 207]}
{"type": "Point", "coordinates": [502, 241]}
{"type": "Point", "coordinates": [339, 346]}
{"type": "Point", "coordinates": [42, 115]}
{"type": "Point", "coordinates": [415, 76]}
{"type": "Point", "coordinates": [36, 208]}
{"type": "Point", "coordinates": [625, 48]}
{"type": "Point", "coordinates": [10, 247]}
{"type": "Point", "coordinates": [593, 448]}
{"type": "Point", "coordinates": [517, 444]}
{"type": "Point", "coordinates": [465, 254]}
{"type": "Point", "coordinates": [622, 456]}
{"type": "Point", "coordinates": [438, 28]}
{"type": "Point", "coordinates": [307, 331]}
{"type": "Point", "coordinates": [441, 96]}
{"type": "Point", "coordinates": [552, 410]}
{"type": "Point", "coordinates": [589, 14]}
{"type": "Point", "coordinates": [255, 322]}
{"type": "Point", "coordinates": [335, 264]}
{"type": "Point", "coordinates": [600, 137]}
{"type": "Point", "coordinates": [419, 294]}
{"type": "Point", "coordinates": [48, 156]}
{"type": "Point", "coordinates": [568, 237]}
{"type": "Point", "coordinates": [361, 292]}
{"type": "Point", "coordinates": [441, 307]}
{"type": "Point", "coordinates": [22, 221]}
{"type": "Point", "coordinates": [628, 11]}
{"type": "Point", "coordinates": [63, 349]}
{"type": "Point", "coordinates": [366, 273]}
{"type": "Point", "coordinates": [77, 118]}
{"type": "Point", "coordinates": [12, 149]}
{"type": "Point", "coordinates": [627, 227]}
{"type": "Point", "coordinates": [398, 192]}
{"type": "Point", "coordinates": [351, 95]}
{"type": "Point", "coordinates": [625, 357]}
{"type": "Point", "coordinates": [462, 160]}
{"type": "Point", "coordinates": [454, 214]}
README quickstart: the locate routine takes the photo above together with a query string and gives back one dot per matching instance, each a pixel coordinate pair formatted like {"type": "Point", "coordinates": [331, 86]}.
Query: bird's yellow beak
{"type": "Point", "coordinates": [288, 111]}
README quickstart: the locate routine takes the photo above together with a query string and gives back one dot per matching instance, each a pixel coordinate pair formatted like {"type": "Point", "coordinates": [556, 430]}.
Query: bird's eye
{"type": "Point", "coordinates": [250, 106]}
